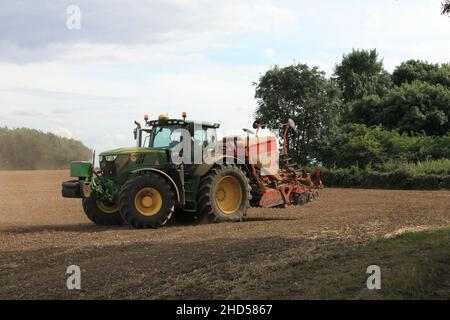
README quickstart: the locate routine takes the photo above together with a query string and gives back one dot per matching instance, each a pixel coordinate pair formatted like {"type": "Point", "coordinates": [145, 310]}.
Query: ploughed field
{"type": "Point", "coordinates": [269, 255]}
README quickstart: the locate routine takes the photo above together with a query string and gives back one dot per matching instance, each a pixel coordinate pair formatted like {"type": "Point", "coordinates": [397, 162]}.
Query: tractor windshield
{"type": "Point", "coordinates": [165, 136]}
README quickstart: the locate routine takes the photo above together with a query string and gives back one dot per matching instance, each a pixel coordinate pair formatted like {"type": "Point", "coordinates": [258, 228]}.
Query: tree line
{"type": "Point", "coordinates": [361, 116]}
{"type": "Point", "coordinates": [29, 149]}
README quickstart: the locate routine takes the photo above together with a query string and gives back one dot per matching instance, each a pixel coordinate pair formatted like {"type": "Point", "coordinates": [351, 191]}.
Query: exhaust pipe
{"type": "Point", "coordinates": [138, 134]}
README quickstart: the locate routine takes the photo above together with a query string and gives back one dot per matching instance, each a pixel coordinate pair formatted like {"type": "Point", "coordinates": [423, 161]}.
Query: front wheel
{"type": "Point", "coordinates": [101, 212]}
{"type": "Point", "coordinates": [146, 201]}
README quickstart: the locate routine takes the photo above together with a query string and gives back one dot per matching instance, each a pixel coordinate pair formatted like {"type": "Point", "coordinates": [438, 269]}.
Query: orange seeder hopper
{"type": "Point", "coordinates": [275, 182]}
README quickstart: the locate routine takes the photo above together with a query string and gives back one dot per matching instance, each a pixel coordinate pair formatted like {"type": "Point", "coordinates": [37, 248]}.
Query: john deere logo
{"type": "Point", "coordinates": [133, 157]}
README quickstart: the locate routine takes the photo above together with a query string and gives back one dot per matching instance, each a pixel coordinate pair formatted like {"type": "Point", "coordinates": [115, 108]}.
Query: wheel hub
{"type": "Point", "coordinates": [221, 195]}
{"type": "Point", "coordinates": [108, 208]}
{"type": "Point", "coordinates": [228, 195]}
{"type": "Point", "coordinates": [148, 201]}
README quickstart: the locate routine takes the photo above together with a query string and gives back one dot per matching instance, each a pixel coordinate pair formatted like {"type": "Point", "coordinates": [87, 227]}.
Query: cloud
{"type": "Point", "coordinates": [36, 30]}
{"type": "Point", "coordinates": [100, 110]}
{"type": "Point", "coordinates": [374, 18]}
{"type": "Point", "coordinates": [269, 53]}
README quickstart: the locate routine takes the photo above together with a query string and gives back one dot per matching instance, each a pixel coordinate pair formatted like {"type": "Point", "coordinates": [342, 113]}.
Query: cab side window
{"type": "Point", "coordinates": [199, 135]}
{"type": "Point", "coordinates": [211, 136]}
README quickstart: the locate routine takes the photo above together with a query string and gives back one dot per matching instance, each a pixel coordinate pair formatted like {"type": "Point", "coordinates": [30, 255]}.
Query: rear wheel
{"type": "Point", "coordinates": [102, 213]}
{"type": "Point", "coordinates": [146, 201]}
{"type": "Point", "coordinates": [224, 194]}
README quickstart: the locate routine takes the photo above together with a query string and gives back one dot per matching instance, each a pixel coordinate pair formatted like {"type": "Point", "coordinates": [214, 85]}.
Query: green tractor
{"type": "Point", "coordinates": [144, 187]}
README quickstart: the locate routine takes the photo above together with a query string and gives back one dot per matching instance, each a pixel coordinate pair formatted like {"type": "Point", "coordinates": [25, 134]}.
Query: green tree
{"type": "Point", "coordinates": [361, 73]}
{"type": "Point", "coordinates": [413, 70]}
{"type": "Point", "coordinates": [416, 107]}
{"type": "Point", "coordinates": [364, 110]}
{"type": "Point", "coordinates": [413, 107]}
{"type": "Point", "coordinates": [305, 95]}
{"type": "Point", "coordinates": [446, 7]}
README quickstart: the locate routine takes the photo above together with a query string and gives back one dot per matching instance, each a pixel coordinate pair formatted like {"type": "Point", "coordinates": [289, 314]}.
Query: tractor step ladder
{"type": "Point", "coordinates": [190, 201]}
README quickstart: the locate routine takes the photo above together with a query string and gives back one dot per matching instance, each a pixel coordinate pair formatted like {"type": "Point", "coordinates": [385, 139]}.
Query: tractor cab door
{"type": "Point", "coordinates": [202, 140]}
{"type": "Point", "coordinates": [204, 143]}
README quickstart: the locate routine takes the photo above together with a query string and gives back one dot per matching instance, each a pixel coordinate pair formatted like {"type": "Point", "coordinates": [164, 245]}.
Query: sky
{"type": "Point", "coordinates": [131, 58]}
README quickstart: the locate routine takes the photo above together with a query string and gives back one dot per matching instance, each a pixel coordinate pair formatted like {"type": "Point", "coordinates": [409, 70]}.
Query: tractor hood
{"type": "Point", "coordinates": [130, 151]}
{"type": "Point", "coordinates": [133, 158]}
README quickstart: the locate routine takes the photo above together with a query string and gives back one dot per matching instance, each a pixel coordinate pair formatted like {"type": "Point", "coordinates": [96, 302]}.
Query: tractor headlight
{"type": "Point", "coordinates": [100, 158]}
{"type": "Point", "coordinates": [111, 158]}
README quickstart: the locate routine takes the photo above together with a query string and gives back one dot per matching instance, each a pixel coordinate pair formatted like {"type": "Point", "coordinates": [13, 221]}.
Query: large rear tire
{"type": "Point", "coordinates": [146, 201]}
{"type": "Point", "coordinates": [224, 194]}
{"type": "Point", "coordinates": [102, 213]}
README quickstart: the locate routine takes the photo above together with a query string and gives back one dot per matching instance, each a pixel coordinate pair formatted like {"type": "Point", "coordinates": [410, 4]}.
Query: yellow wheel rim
{"type": "Point", "coordinates": [228, 195]}
{"type": "Point", "coordinates": [148, 201]}
{"type": "Point", "coordinates": [107, 208]}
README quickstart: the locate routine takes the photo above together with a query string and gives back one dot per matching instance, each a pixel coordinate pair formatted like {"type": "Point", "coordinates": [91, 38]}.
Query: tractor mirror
{"type": "Point", "coordinates": [248, 131]}
{"type": "Point", "coordinates": [292, 124]}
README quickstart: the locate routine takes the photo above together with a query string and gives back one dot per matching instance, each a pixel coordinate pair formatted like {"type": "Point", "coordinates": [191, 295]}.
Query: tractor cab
{"type": "Point", "coordinates": [166, 133]}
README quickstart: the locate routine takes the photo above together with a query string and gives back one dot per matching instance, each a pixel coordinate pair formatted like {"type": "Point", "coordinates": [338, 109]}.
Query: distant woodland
{"type": "Point", "coordinates": [29, 149]}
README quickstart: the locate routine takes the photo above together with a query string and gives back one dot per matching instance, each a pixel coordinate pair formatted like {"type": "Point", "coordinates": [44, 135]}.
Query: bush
{"type": "Point", "coordinates": [428, 175]}
{"type": "Point", "coordinates": [365, 146]}
{"type": "Point", "coordinates": [445, 184]}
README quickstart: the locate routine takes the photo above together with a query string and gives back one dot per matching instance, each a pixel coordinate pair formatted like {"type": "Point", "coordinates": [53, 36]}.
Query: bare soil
{"type": "Point", "coordinates": [41, 234]}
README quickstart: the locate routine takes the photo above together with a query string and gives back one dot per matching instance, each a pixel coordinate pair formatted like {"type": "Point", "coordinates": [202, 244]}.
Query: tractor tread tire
{"type": "Point", "coordinates": [127, 198]}
{"type": "Point", "coordinates": [207, 209]}
{"type": "Point", "coordinates": [100, 218]}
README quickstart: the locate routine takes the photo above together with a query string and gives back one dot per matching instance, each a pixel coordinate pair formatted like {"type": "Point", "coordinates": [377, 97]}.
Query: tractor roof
{"type": "Point", "coordinates": [162, 122]}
